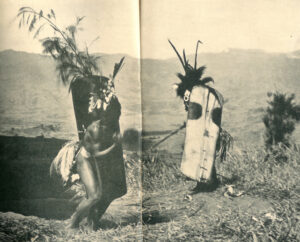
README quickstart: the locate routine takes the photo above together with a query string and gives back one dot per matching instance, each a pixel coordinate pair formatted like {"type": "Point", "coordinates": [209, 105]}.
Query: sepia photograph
{"type": "Point", "coordinates": [139, 120]}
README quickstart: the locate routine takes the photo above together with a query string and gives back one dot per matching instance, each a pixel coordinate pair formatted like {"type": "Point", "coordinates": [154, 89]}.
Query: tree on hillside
{"type": "Point", "coordinates": [280, 119]}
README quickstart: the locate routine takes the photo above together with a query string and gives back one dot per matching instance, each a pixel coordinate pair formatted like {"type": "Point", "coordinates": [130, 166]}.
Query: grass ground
{"type": "Point", "coordinates": [257, 200]}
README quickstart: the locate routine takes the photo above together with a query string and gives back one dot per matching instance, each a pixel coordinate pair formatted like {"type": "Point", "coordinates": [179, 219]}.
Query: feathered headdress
{"type": "Point", "coordinates": [105, 89]}
{"type": "Point", "coordinates": [193, 75]}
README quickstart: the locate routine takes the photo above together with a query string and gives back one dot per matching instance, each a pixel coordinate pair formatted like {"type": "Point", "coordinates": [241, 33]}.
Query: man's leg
{"type": "Point", "coordinates": [100, 207]}
{"type": "Point", "coordinates": [97, 212]}
{"type": "Point", "coordinates": [207, 186]}
{"type": "Point", "coordinates": [92, 186]}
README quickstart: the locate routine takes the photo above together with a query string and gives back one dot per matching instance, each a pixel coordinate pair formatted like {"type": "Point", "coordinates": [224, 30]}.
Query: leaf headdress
{"type": "Point", "coordinates": [71, 62]}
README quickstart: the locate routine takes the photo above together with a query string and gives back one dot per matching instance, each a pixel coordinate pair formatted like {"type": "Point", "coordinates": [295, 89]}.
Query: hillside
{"type": "Point", "coordinates": [243, 77]}
{"type": "Point", "coordinates": [32, 101]}
{"type": "Point", "coordinates": [256, 200]}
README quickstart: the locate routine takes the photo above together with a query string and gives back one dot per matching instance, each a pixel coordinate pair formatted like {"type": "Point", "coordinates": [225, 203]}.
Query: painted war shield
{"type": "Point", "coordinates": [111, 166]}
{"type": "Point", "coordinates": [80, 90]}
{"type": "Point", "coordinates": [202, 133]}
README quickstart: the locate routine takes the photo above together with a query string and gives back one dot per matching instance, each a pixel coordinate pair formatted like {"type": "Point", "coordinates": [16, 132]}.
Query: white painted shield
{"type": "Point", "coordinates": [202, 132]}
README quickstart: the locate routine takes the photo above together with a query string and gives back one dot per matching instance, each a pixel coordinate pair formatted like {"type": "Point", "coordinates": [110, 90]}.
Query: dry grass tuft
{"type": "Point", "coordinates": [271, 194]}
{"type": "Point", "coordinates": [268, 210]}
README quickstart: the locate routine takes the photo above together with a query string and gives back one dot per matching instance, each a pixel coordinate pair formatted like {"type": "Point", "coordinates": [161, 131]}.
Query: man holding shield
{"type": "Point", "coordinates": [204, 106]}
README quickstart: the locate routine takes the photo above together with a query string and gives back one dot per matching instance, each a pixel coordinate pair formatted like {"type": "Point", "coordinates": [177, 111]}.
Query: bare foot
{"type": "Point", "coordinates": [70, 224]}
{"type": "Point", "coordinates": [92, 225]}
{"type": "Point", "coordinates": [205, 187]}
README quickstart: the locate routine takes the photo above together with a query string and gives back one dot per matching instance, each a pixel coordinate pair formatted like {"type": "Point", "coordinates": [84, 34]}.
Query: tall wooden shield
{"type": "Point", "coordinates": [81, 89]}
{"type": "Point", "coordinates": [202, 132]}
{"type": "Point", "coordinates": [111, 166]}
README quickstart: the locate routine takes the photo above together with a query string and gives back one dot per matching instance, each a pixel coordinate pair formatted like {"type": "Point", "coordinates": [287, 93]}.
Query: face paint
{"type": "Point", "coordinates": [202, 132]}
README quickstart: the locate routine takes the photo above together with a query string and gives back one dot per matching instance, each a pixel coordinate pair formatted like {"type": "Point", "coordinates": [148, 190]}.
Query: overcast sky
{"type": "Point", "coordinates": [115, 21]}
{"type": "Point", "coordinates": [271, 25]}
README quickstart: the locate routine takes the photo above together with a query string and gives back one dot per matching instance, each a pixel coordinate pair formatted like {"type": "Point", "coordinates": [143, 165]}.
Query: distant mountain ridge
{"type": "Point", "coordinates": [31, 95]}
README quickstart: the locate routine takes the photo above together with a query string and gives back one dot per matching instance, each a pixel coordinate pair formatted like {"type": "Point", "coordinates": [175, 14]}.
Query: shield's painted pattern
{"type": "Point", "coordinates": [112, 169]}
{"type": "Point", "coordinates": [202, 132]}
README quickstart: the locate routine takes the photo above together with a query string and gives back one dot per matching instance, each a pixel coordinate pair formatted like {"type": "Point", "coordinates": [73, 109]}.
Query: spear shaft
{"type": "Point", "coordinates": [168, 136]}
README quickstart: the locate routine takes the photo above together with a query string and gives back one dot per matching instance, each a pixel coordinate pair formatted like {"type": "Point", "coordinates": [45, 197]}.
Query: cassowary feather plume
{"type": "Point", "coordinates": [64, 161]}
{"type": "Point", "coordinates": [193, 75]}
{"type": "Point", "coordinates": [118, 67]}
{"type": "Point", "coordinates": [63, 166]}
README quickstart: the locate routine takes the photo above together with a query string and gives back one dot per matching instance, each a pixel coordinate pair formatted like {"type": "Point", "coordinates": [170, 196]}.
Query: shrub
{"type": "Point", "coordinates": [279, 119]}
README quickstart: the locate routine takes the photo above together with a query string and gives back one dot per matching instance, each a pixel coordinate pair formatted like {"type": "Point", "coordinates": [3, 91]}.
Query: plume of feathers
{"type": "Point", "coordinates": [64, 161]}
{"type": "Point", "coordinates": [193, 75]}
{"type": "Point", "coordinates": [118, 67]}
{"type": "Point", "coordinates": [63, 165]}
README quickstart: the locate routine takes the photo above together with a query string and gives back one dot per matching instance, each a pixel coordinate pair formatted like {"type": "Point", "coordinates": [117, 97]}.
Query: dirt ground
{"type": "Point", "coordinates": [252, 203]}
